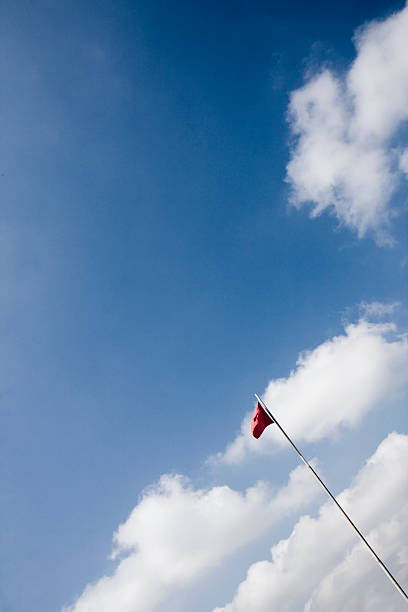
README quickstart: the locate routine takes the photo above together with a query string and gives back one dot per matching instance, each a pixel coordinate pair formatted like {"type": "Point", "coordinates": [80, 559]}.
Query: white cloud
{"type": "Point", "coordinates": [320, 567]}
{"type": "Point", "coordinates": [355, 584]}
{"type": "Point", "coordinates": [403, 161]}
{"type": "Point", "coordinates": [177, 532]}
{"type": "Point", "coordinates": [333, 386]}
{"type": "Point", "coordinates": [343, 159]}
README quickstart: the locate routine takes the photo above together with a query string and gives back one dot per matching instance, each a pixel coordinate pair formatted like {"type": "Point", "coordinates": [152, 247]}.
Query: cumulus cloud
{"type": "Point", "coordinates": [333, 386]}
{"type": "Point", "coordinates": [323, 566]}
{"type": "Point", "coordinates": [355, 584]}
{"type": "Point", "coordinates": [345, 158]}
{"type": "Point", "coordinates": [177, 532]}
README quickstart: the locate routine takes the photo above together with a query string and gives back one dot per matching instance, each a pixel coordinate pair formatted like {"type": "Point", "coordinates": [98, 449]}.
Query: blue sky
{"type": "Point", "coordinates": [160, 264]}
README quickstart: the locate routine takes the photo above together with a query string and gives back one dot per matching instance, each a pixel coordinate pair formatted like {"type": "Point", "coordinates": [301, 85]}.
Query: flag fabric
{"type": "Point", "coordinates": [260, 420]}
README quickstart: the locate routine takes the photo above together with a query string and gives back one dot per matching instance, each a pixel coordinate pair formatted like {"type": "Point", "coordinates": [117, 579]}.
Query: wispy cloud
{"type": "Point", "coordinates": [333, 386]}
{"type": "Point", "coordinates": [347, 156]}
{"type": "Point", "coordinates": [340, 574]}
{"type": "Point", "coordinates": [378, 310]}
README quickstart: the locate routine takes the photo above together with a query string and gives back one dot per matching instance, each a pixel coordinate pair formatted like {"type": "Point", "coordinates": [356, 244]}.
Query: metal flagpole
{"type": "Point", "coordinates": [360, 535]}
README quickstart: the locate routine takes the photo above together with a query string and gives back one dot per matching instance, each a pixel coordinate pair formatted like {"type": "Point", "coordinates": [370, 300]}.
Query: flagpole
{"type": "Point", "coordinates": [360, 535]}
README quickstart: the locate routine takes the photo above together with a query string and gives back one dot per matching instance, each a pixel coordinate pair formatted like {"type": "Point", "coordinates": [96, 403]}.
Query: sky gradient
{"type": "Point", "coordinates": [199, 202]}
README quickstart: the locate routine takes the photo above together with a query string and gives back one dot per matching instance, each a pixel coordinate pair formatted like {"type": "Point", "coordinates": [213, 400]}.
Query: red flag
{"type": "Point", "coordinates": [260, 420]}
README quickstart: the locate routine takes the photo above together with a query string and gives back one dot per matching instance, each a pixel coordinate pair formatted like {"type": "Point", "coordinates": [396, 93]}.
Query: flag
{"type": "Point", "coordinates": [260, 420]}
